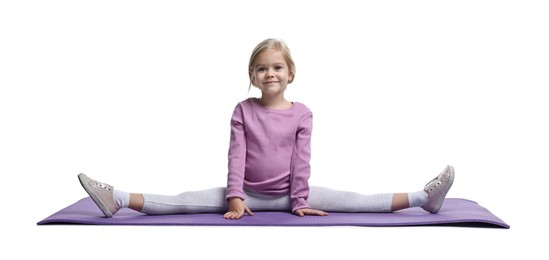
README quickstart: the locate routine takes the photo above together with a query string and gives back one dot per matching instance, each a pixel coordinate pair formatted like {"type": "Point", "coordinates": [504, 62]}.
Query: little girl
{"type": "Point", "coordinates": [269, 156]}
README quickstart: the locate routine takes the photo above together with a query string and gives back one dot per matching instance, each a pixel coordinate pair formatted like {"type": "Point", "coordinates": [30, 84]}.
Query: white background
{"type": "Point", "coordinates": [139, 94]}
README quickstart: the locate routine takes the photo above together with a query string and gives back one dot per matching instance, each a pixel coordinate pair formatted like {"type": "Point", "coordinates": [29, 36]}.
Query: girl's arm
{"type": "Point", "coordinates": [237, 157]}
{"type": "Point", "coordinates": [237, 160]}
{"type": "Point", "coordinates": [300, 168]}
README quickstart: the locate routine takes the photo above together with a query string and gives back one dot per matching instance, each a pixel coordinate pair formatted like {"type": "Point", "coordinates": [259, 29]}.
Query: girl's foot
{"type": "Point", "coordinates": [437, 189]}
{"type": "Point", "coordinates": [101, 194]}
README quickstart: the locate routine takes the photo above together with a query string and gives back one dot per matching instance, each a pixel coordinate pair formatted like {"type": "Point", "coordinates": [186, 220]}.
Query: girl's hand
{"type": "Point", "coordinates": [237, 209]}
{"type": "Point", "coordinates": [315, 212]}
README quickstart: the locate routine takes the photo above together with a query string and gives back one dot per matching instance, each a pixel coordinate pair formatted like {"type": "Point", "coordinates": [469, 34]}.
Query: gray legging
{"type": "Point", "coordinates": [213, 200]}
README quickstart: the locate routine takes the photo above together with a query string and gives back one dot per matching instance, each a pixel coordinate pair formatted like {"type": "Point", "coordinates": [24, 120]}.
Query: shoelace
{"type": "Point", "coordinates": [103, 186]}
{"type": "Point", "coordinates": [434, 183]}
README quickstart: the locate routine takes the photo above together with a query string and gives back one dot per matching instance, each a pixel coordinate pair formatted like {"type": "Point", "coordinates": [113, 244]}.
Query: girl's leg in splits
{"type": "Point", "coordinates": [213, 200]}
{"type": "Point", "coordinates": [110, 200]}
{"type": "Point", "coordinates": [430, 198]}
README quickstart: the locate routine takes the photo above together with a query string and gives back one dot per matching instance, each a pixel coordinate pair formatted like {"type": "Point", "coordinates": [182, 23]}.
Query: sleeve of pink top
{"type": "Point", "coordinates": [300, 167]}
{"type": "Point", "coordinates": [237, 156]}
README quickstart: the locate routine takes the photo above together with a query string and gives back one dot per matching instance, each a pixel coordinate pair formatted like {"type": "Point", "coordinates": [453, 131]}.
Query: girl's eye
{"type": "Point", "coordinates": [260, 69]}
{"type": "Point", "coordinates": [278, 67]}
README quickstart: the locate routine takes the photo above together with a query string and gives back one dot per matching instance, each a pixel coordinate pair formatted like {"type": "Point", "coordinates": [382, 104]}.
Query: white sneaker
{"type": "Point", "coordinates": [437, 189]}
{"type": "Point", "coordinates": [101, 194]}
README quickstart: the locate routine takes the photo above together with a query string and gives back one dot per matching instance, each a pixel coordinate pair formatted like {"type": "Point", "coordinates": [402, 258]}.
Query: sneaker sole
{"type": "Point", "coordinates": [450, 182]}
{"type": "Point", "coordinates": [94, 196]}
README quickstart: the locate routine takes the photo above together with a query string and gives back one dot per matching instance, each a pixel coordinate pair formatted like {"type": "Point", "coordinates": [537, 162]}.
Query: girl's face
{"type": "Point", "coordinates": [271, 73]}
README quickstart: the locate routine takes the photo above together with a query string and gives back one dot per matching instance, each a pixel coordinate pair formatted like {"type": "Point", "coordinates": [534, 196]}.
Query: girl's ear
{"type": "Point", "coordinates": [252, 76]}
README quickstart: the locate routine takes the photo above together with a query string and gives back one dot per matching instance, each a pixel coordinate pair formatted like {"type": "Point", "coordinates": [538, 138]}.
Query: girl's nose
{"type": "Point", "coordinates": [270, 73]}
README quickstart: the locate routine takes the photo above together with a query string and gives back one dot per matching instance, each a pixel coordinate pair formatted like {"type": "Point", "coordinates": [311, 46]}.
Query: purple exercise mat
{"type": "Point", "coordinates": [458, 212]}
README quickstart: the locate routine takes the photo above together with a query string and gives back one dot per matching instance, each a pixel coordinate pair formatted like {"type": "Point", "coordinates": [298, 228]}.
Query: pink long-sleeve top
{"type": "Point", "coordinates": [270, 151]}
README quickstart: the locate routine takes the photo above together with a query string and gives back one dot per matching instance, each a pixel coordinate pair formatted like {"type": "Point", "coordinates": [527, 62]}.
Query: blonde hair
{"type": "Point", "coordinates": [271, 44]}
